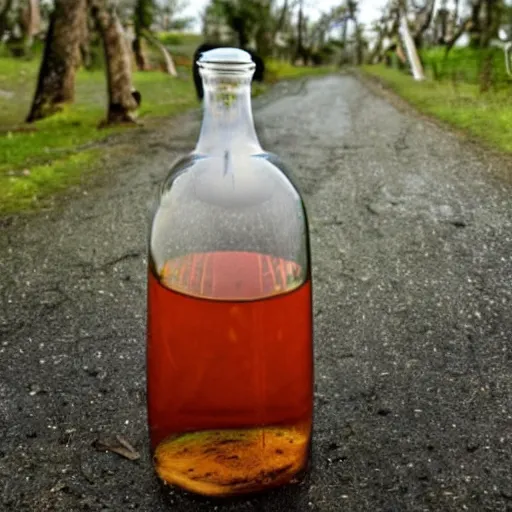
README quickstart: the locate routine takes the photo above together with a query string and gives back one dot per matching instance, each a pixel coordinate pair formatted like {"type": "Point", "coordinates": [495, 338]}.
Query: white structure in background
{"type": "Point", "coordinates": [410, 48]}
{"type": "Point", "coordinates": [506, 46]}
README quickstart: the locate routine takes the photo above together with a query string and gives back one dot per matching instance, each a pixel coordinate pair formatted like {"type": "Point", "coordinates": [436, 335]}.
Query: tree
{"type": "Point", "coordinates": [240, 16]}
{"type": "Point", "coordinates": [143, 19]}
{"type": "Point", "coordinates": [21, 19]}
{"type": "Point", "coordinates": [348, 12]}
{"type": "Point", "coordinates": [30, 20]}
{"type": "Point", "coordinates": [423, 16]}
{"type": "Point", "coordinates": [168, 11]}
{"type": "Point", "coordinates": [56, 82]}
{"type": "Point", "coordinates": [441, 23]}
{"type": "Point", "coordinates": [123, 101]}
{"type": "Point", "coordinates": [169, 66]}
{"type": "Point", "coordinates": [5, 9]}
{"type": "Point", "coordinates": [482, 24]}
{"type": "Point", "coordinates": [250, 22]}
{"type": "Point", "coordinates": [144, 16]}
{"type": "Point", "coordinates": [411, 49]}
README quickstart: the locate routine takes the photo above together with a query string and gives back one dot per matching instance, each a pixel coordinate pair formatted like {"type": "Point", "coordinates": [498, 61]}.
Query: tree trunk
{"type": "Point", "coordinates": [56, 83]}
{"type": "Point", "coordinates": [456, 11]}
{"type": "Point", "coordinates": [301, 51]}
{"type": "Point", "coordinates": [280, 22]}
{"type": "Point", "coordinates": [30, 21]}
{"type": "Point", "coordinates": [475, 31]}
{"type": "Point", "coordinates": [142, 17]}
{"type": "Point", "coordinates": [493, 13]}
{"type": "Point", "coordinates": [485, 77]}
{"type": "Point", "coordinates": [466, 25]}
{"type": "Point", "coordinates": [122, 100]}
{"type": "Point", "coordinates": [85, 43]}
{"type": "Point", "coordinates": [343, 39]}
{"type": "Point", "coordinates": [240, 27]}
{"type": "Point", "coordinates": [359, 42]}
{"type": "Point", "coordinates": [34, 19]}
{"type": "Point", "coordinates": [169, 67]}
{"type": "Point", "coordinates": [410, 48]}
{"type": "Point", "coordinates": [426, 15]}
{"type": "Point", "coordinates": [4, 13]}
{"type": "Point", "coordinates": [140, 54]}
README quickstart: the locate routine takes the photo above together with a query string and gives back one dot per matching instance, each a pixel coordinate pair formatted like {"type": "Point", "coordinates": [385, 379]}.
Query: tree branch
{"type": "Point", "coordinates": [466, 25]}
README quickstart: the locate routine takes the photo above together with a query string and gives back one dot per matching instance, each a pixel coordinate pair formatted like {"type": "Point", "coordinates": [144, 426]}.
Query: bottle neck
{"type": "Point", "coordinates": [227, 114]}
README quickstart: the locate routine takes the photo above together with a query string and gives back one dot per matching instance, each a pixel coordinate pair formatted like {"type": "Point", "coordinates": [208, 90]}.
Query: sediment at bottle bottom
{"type": "Point", "coordinates": [230, 462]}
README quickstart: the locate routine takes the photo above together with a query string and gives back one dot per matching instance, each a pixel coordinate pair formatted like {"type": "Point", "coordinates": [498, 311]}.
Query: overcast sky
{"type": "Point", "coordinates": [369, 10]}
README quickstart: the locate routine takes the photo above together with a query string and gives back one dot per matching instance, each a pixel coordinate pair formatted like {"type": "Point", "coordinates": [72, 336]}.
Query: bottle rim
{"type": "Point", "coordinates": [227, 68]}
{"type": "Point", "coordinates": [226, 60]}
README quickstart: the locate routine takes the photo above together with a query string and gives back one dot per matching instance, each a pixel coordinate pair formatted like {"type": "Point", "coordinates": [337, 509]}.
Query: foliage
{"type": "Point", "coordinates": [164, 13]}
{"type": "Point", "coordinates": [250, 23]}
{"type": "Point", "coordinates": [243, 16]}
{"type": "Point", "coordinates": [179, 39]}
{"type": "Point", "coordinates": [281, 70]}
{"type": "Point", "coordinates": [181, 46]}
{"type": "Point", "coordinates": [144, 14]}
{"type": "Point", "coordinates": [58, 151]}
{"type": "Point", "coordinates": [464, 65]}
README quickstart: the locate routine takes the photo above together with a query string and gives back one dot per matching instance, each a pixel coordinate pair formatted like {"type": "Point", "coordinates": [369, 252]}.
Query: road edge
{"type": "Point", "coordinates": [502, 160]}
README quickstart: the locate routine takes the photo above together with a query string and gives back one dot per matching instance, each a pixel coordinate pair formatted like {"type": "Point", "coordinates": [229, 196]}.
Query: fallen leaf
{"type": "Point", "coordinates": [121, 446]}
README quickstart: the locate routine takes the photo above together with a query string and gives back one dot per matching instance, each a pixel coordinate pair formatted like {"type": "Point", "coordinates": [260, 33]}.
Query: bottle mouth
{"type": "Point", "coordinates": [226, 61]}
{"type": "Point", "coordinates": [227, 67]}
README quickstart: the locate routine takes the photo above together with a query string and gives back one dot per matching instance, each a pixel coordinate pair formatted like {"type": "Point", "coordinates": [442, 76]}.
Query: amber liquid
{"type": "Point", "coordinates": [230, 379]}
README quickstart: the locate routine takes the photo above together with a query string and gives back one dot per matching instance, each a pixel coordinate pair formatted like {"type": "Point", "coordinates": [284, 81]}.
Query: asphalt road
{"type": "Point", "coordinates": [412, 251]}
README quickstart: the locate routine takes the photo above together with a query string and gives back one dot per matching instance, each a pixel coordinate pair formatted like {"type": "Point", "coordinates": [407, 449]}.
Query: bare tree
{"type": "Point", "coordinates": [301, 52]}
{"type": "Point", "coordinates": [56, 83]}
{"type": "Point", "coordinates": [493, 14]}
{"type": "Point", "coordinates": [280, 20]}
{"type": "Point", "coordinates": [169, 66]}
{"type": "Point", "coordinates": [143, 18]}
{"type": "Point", "coordinates": [411, 49]}
{"type": "Point", "coordinates": [30, 20]}
{"type": "Point", "coordinates": [144, 15]}
{"type": "Point", "coordinates": [441, 24]}
{"type": "Point", "coordinates": [123, 101]}
{"type": "Point", "coordinates": [423, 16]}
{"type": "Point", "coordinates": [249, 21]}
{"type": "Point", "coordinates": [387, 30]}
{"type": "Point", "coordinates": [482, 24]}
{"type": "Point", "coordinates": [459, 31]}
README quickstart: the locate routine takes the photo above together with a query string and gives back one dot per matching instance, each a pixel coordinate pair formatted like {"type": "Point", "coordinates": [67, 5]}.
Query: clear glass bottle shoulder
{"type": "Point", "coordinates": [229, 202]}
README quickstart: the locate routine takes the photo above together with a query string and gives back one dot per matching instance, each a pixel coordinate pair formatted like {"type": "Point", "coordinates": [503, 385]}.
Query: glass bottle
{"type": "Point", "coordinates": [229, 347]}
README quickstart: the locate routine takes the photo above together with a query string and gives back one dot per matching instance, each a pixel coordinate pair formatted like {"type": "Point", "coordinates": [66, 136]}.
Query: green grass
{"type": "Point", "coordinates": [282, 70]}
{"type": "Point", "coordinates": [464, 65]}
{"type": "Point", "coordinates": [42, 159]}
{"type": "Point", "coordinates": [487, 116]}
{"type": "Point", "coordinates": [181, 46]}
{"type": "Point", "coordinates": [20, 192]}
{"type": "Point", "coordinates": [31, 162]}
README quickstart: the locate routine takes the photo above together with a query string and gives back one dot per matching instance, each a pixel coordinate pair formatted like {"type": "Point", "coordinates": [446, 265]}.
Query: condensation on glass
{"type": "Point", "coordinates": [229, 346]}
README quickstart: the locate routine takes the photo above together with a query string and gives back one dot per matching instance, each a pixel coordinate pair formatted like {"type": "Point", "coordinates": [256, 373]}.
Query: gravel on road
{"type": "Point", "coordinates": [412, 262]}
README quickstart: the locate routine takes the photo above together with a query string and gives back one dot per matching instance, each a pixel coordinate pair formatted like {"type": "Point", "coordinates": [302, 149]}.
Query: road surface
{"type": "Point", "coordinates": [411, 239]}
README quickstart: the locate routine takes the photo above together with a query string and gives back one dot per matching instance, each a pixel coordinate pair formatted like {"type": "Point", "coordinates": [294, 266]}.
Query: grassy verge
{"type": "Point", "coordinates": [280, 70]}
{"type": "Point", "coordinates": [40, 160]}
{"type": "Point", "coordinates": [488, 116]}
{"type": "Point", "coordinates": [465, 64]}
{"type": "Point", "coordinates": [37, 161]}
